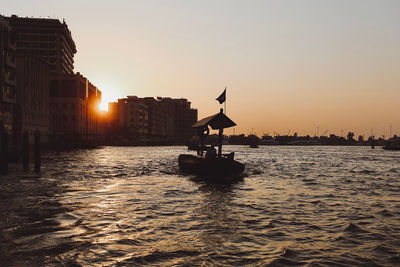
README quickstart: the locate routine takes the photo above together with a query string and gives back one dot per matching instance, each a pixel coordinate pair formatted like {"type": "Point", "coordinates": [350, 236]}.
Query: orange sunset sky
{"type": "Point", "coordinates": [294, 65]}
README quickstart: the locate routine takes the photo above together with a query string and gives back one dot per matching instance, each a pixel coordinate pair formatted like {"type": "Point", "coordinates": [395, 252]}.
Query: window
{"type": "Point", "coordinates": [10, 92]}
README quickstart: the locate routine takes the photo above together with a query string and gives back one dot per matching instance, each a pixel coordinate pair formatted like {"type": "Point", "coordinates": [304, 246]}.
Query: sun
{"type": "Point", "coordinates": [103, 106]}
{"type": "Point", "coordinates": [110, 93]}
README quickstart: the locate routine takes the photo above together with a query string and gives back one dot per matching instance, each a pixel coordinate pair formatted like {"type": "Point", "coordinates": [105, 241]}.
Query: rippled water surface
{"type": "Point", "coordinates": [125, 206]}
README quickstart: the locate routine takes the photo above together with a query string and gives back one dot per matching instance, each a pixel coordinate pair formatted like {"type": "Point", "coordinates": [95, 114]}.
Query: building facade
{"type": "Point", "coordinates": [133, 118]}
{"type": "Point", "coordinates": [74, 107]}
{"type": "Point", "coordinates": [48, 39]}
{"type": "Point", "coordinates": [182, 118]}
{"type": "Point", "coordinates": [157, 121]}
{"type": "Point", "coordinates": [32, 109]}
{"type": "Point", "coordinates": [45, 65]}
{"type": "Point", "coordinates": [153, 121]}
{"type": "Point", "coordinates": [8, 79]}
{"type": "Point", "coordinates": [94, 122]}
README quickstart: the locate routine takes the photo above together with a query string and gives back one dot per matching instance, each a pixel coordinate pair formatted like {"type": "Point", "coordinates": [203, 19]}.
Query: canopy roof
{"type": "Point", "coordinates": [217, 121]}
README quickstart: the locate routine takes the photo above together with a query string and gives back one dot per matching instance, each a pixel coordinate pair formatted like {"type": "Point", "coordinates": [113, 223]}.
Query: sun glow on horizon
{"type": "Point", "coordinates": [103, 106]}
{"type": "Point", "coordinates": [110, 93]}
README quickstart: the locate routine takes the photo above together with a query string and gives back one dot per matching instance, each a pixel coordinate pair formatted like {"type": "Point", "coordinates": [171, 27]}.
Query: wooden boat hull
{"type": "Point", "coordinates": [219, 168]}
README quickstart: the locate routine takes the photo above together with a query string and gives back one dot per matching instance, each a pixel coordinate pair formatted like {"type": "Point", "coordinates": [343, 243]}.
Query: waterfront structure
{"type": "Point", "coordinates": [183, 117]}
{"type": "Point", "coordinates": [111, 121]}
{"type": "Point", "coordinates": [7, 76]}
{"type": "Point", "coordinates": [152, 121]}
{"type": "Point", "coordinates": [94, 124]}
{"type": "Point", "coordinates": [73, 107]}
{"type": "Point", "coordinates": [73, 99]}
{"type": "Point", "coordinates": [128, 120]}
{"type": "Point", "coordinates": [32, 108]}
{"type": "Point", "coordinates": [157, 123]}
{"type": "Point", "coordinates": [48, 39]}
{"type": "Point", "coordinates": [132, 117]}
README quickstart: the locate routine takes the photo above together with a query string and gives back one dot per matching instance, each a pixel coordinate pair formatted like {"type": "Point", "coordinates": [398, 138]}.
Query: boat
{"type": "Point", "coordinates": [212, 166]}
{"type": "Point", "coordinates": [224, 166]}
{"type": "Point", "coordinates": [254, 145]}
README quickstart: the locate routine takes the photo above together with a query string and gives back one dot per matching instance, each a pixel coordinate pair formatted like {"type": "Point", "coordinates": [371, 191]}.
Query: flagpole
{"type": "Point", "coordinates": [225, 106]}
{"type": "Point", "coordinates": [225, 101]}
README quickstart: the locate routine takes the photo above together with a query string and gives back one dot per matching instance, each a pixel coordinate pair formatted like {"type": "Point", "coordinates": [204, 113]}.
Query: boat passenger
{"type": "Point", "coordinates": [211, 152]}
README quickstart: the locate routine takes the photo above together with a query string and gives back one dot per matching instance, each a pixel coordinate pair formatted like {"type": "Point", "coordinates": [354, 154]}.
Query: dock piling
{"type": "Point", "coordinates": [37, 151]}
{"type": "Point", "coordinates": [25, 151]}
{"type": "Point", "coordinates": [4, 153]}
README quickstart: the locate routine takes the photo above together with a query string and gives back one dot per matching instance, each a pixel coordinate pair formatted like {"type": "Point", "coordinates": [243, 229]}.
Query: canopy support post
{"type": "Point", "coordinates": [220, 142]}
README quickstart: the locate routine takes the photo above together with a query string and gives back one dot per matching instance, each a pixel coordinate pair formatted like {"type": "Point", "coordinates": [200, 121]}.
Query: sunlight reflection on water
{"type": "Point", "coordinates": [131, 206]}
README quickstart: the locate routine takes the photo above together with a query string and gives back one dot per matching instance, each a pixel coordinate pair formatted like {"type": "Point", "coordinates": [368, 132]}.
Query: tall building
{"type": "Point", "coordinates": [183, 117]}
{"type": "Point", "coordinates": [73, 99]}
{"type": "Point", "coordinates": [133, 118]}
{"type": "Point", "coordinates": [73, 107]}
{"type": "Point", "coordinates": [7, 76]}
{"type": "Point", "coordinates": [112, 122]}
{"type": "Point", "coordinates": [155, 121]}
{"type": "Point", "coordinates": [32, 108]}
{"type": "Point", "coordinates": [157, 124]}
{"type": "Point", "coordinates": [48, 39]}
{"type": "Point", "coordinates": [94, 122]}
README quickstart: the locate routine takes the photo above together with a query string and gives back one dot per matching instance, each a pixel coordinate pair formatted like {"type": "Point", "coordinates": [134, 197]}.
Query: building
{"type": "Point", "coordinates": [48, 39]}
{"type": "Point", "coordinates": [153, 121]}
{"type": "Point", "coordinates": [132, 118]}
{"type": "Point", "coordinates": [51, 41]}
{"type": "Point", "coordinates": [157, 123]}
{"type": "Point", "coordinates": [32, 109]}
{"type": "Point", "coordinates": [182, 117]}
{"type": "Point", "coordinates": [74, 107]}
{"type": "Point", "coordinates": [72, 100]}
{"type": "Point", "coordinates": [8, 80]}
{"type": "Point", "coordinates": [94, 122]}
{"type": "Point", "coordinates": [111, 120]}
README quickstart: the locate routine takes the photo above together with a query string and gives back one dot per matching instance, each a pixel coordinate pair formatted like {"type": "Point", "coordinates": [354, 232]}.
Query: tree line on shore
{"type": "Point", "coordinates": [294, 139]}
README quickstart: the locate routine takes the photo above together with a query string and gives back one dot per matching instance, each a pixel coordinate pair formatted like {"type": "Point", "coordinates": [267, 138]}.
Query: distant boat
{"type": "Point", "coordinates": [212, 166]}
{"type": "Point", "coordinates": [254, 145]}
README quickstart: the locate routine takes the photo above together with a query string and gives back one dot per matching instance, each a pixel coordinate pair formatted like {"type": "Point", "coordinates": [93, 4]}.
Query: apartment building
{"type": "Point", "coordinates": [48, 39]}
{"type": "Point", "coordinates": [155, 121]}
{"type": "Point", "coordinates": [32, 108]}
{"type": "Point", "coordinates": [74, 107]}
{"type": "Point", "coordinates": [182, 117]}
{"type": "Point", "coordinates": [8, 79]}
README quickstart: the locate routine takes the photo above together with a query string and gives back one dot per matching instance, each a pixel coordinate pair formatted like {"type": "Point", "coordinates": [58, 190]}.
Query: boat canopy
{"type": "Point", "coordinates": [217, 121]}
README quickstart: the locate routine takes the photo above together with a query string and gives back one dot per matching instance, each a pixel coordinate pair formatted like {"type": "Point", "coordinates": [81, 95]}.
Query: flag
{"type": "Point", "coordinates": [222, 98]}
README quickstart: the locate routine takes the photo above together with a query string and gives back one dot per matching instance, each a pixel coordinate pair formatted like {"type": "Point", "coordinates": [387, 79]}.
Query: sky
{"type": "Point", "coordinates": [306, 66]}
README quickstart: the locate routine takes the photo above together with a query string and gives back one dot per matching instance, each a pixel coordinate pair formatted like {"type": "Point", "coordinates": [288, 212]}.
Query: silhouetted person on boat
{"type": "Point", "coordinates": [211, 152]}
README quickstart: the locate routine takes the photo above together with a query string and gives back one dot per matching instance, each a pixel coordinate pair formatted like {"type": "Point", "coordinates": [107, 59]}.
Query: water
{"type": "Point", "coordinates": [118, 206]}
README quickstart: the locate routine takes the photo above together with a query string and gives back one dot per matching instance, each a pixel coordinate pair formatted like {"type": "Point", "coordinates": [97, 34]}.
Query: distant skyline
{"type": "Point", "coordinates": [294, 65]}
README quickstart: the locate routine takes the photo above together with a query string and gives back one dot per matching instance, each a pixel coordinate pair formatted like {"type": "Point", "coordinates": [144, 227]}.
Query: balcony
{"type": "Point", "coordinates": [9, 94]}
{"type": "Point", "coordinates": [10, 45]}
{"type": "Point", "coordinates": [10, 79]}
{"type": "Point", "coordinates": [10, 60]}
